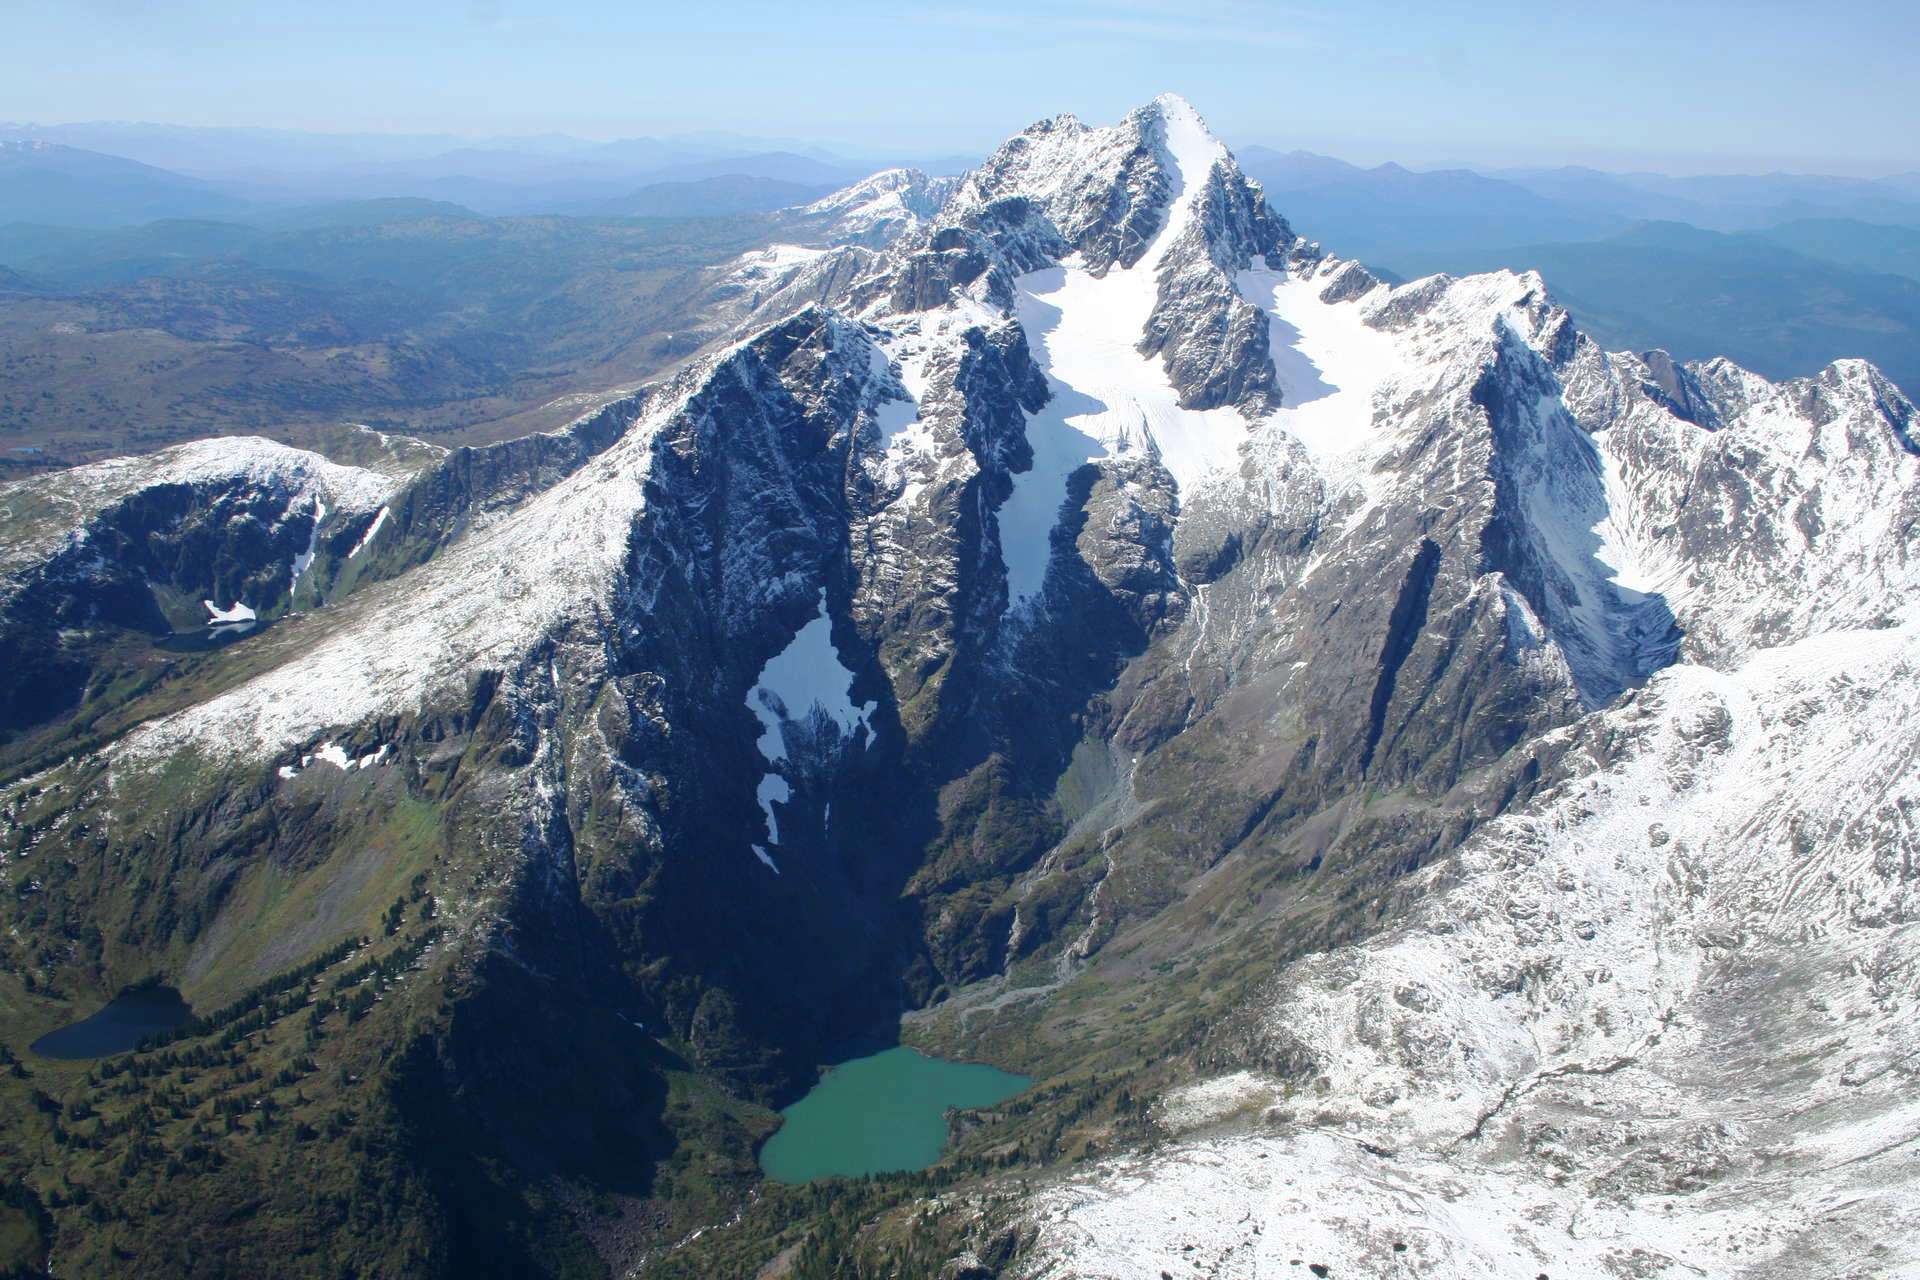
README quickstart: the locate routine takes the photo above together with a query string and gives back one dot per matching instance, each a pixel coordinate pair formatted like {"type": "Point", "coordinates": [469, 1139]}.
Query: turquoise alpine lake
{"type": "Point", "coordinates": [879, 1114]}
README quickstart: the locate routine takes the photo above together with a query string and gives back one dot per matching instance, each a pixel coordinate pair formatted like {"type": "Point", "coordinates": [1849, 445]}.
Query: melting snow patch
{"type": "Point", "coordinates": [238, 613]}
{"type": "Point", "coordinates": [304, 560]}
{"type": "Point", "coordinates": [805, 679]}
{"type": "Point", "coordinates": [368, 536]}
{"type": "Point", "coordinates": [805, 675]}
{"type": "Point", "coordinates": [772, 788]}
{"type": "Point", "coordinates": [334, 754]}
{"type": "Point", "coordinates": [1210, 1101]}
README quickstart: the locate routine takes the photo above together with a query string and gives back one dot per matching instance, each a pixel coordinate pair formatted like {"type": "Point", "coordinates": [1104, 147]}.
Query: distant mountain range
{"type": "Point", "coordinates": [705, 197]}
{"type": "Point", "coordinates": [186, 172]}
{"type": "Point", "coordinates": [112, 174]}
{"type": "Point", "coordinates": [1371, 212]}
{"type": "Point", "coordinates": [1781, 271]}
{"type": "Point", "coordinates": [1385, 210]}
{"type": "Point", "coordinates": [60, 185]}
{"type": "Point", "coordinates": [213, 150]}
{"type": "Point", "coordinates": [52, 183]}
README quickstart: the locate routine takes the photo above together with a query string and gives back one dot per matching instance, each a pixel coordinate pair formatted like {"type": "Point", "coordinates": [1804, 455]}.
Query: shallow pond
{"type": "Point", "coordinates": [879, 1114]}
{"type": "Point", "coordinates": [126, 1020]}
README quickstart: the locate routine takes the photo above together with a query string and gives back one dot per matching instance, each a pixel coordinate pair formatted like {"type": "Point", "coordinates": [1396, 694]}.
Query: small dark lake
{"type": "Point", "coordinates": [218, 636]}
{"type": "Point", "coordinates": [880, 1114]}
{"type": "Point", "coordinates": [127, 1019]}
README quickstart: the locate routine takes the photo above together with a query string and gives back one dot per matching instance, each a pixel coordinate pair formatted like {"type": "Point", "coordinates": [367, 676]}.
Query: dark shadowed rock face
{"type": "Point", "coordinates": [723, 714]}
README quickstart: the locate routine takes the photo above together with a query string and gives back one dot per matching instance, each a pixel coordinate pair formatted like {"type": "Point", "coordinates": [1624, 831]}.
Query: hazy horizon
{"type": "Point", "coordinates": [728, 141]}
{"type": "Point", "coordinates": [1712, 88]}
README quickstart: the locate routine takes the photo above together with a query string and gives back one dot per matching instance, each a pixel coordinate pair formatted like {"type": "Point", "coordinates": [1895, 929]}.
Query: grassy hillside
{"type": "Point", "coordinates": [404, 315]}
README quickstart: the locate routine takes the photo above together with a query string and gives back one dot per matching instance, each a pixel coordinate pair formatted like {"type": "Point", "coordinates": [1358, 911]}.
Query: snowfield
{"type": "Point", "coordinates": [1333, 367]}
{"type": "Point", "coordinates": [232, 613]}
{"type": "Point", "coordinates": [1108, 398]}
{"type": "Point", "coordinates": [1667, 1023]}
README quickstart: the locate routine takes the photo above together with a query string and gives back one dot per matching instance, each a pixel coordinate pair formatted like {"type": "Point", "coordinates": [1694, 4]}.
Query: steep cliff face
{"type": "Point", "coordinates": [1078, 577]}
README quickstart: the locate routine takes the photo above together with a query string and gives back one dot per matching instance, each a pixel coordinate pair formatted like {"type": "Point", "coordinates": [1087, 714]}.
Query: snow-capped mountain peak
{"type": "Point", "coordinates": [1197, 353]}
{"type": "Point", "coordinates": [1086, 575]}
{"type": "Point", "coordinates": [1192, 146]}
{"type": "Point", "coordinates": [879, 209]}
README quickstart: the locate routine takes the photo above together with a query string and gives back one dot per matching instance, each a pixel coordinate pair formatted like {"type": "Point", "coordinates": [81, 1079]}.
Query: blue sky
{"type": "Point", "coordinates": [1685, 85]}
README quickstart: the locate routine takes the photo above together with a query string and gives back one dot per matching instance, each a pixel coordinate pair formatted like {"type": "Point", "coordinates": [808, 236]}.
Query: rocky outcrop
{"type": "Point", "coordinates": [1093, 577]}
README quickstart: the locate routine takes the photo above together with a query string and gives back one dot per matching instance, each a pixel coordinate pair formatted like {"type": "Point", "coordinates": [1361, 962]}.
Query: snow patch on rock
{"type": "Point", "coordinates": [373, 531]}
{"type": "Point", "coordinates": [304, 561]}
{"type": "Point", "coordinates": [236, 612]}
{"type": "Point", "coordinates": [804, 684]}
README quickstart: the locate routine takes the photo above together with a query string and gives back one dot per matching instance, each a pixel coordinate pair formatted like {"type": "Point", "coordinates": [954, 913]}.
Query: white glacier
{"type": "Point", "coordinates": [1107, 398]}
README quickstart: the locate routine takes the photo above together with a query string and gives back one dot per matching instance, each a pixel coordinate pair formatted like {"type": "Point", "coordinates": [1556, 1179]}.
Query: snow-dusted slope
{"type": "Point", "coordinates": [1659, 1020]}
{"type": "Point", "coordinates": [770, 265]}
{"type": "Point", "coordinates": [39, 515]}
{"type": "Point", "coordinates": [1663, 1023]}
{"type": "Point", "coordinates": [484, 601]}
{"type": "Point", "coordinates": [881, 208]}
{"type": "Point", "coordinates": [565, 558]}
{"type": "Point", "coordinates": [1761, 512]}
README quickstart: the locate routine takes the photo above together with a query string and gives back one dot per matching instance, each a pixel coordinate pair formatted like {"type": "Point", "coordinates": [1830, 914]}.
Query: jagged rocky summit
{"type": "Point", "coordinates": [1478, 762]}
